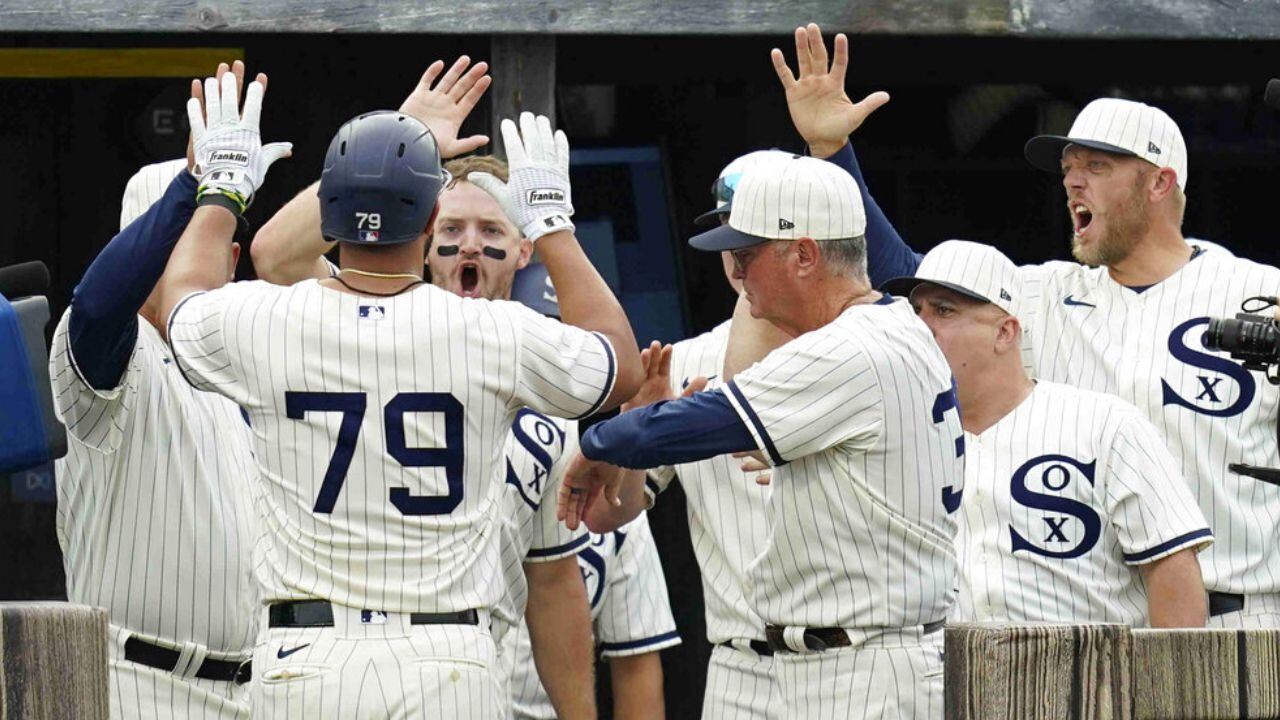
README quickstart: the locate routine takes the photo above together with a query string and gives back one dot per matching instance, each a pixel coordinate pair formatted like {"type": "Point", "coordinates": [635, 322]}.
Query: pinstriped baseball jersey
{"type": "Point", "coordinates": [154, 515]}
{"type": "Point", "coordinates": [1055, 524]}
{"type": "Point", "coordinates": [726, 507]}
{"type": "Point", "coordinates": [538, 451]}
{"type": "Point", "coordinates": [858, 416]}
{"type": "Point", "coordinates": [630, 611]}
{"type": "Point", "coordinates": [379, 425]}
{"type": "Point", "coordinates": [1087, 331]}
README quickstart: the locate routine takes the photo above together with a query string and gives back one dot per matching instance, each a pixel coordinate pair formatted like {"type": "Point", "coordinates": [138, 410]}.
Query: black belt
{"type": "Point", "coordinates": [318, 613]}
{"type": "Point", "coordinates": [819, 639]}
{"type": "Point", "coordinates": [163, 658]}
{"type": "Point", "coordinates": [1223, 603]}
{"type": "Point", "coordinates": [759, 647]}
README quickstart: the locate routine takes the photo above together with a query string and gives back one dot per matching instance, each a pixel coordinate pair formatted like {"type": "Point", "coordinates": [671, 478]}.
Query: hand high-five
{"type": "Point", "coordinates": [443, 108]}
{"type": "Point", "coordinates": [821, 110]}
{"type": "Point", "coordinates": [230, 159]}
{"type": "Point", "coordinates": [537, 197]}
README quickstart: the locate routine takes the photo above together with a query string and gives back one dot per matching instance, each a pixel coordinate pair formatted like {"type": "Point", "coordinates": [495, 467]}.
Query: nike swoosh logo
{"type": "Point", "coordinates": [282, 653]}
{"type": "Point", "coordinates": [1069, 300]}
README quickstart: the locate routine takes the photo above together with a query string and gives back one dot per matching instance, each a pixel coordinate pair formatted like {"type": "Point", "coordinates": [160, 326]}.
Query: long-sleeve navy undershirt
{"type": "Point", "coordinates": [888, 255]}
{"type": "Point", "coordinates": [103, 325]}
{"type": "Point", "coordinates": [669, 433]}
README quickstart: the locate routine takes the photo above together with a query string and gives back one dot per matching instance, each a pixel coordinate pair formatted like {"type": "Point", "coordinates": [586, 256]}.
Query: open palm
{"type": "Point", "coordinates": [443, 108]}
{"type": "Point", "coordinates": [820, 108]}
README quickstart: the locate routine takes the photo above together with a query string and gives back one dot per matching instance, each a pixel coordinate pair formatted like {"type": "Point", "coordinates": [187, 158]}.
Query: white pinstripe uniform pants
{"type": "Point", "coordinates": [740, 686]}
{"type": "Point", "coordinates": [363, 671]}
{"type": "Point", "coordinates": [145, 693]}
{"type": "Point", "coordinates": [885, 675]}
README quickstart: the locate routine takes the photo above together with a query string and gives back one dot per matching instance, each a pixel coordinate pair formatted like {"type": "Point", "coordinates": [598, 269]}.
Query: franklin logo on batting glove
{"type": "Point", "coordinates": [546, 197]}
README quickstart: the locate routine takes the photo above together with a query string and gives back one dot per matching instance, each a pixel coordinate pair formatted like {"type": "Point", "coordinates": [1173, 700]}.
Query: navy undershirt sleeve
{"type": "Point", "coordinates": [888, 255]}
{"type": "Point", "coordinates": [103, 325]}
{"type": "Point", "coordinates": [669, 433]}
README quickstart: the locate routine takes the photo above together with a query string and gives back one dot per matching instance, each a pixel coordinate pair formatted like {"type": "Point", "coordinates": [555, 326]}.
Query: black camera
{"type": "Point", "coordinates": [1253, 340]}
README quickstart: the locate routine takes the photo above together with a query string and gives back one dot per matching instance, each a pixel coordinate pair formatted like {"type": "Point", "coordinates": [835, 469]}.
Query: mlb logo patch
{"type": "Point", "coordinates": [369, 236]}
{"type": "Point", "coordinates": [373, 617]}
{"type": "Point", "coordinates": [372, 312]}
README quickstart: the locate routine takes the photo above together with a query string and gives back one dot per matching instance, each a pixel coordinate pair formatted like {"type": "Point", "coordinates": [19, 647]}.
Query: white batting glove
{"type": "Point", "coordinates": [231, 161]}
{"type": "Point", "coordinates": [537, 197]}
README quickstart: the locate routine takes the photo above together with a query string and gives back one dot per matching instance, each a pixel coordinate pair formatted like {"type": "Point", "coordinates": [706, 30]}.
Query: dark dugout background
{"type": "Point", "coordinates": [944, 159]}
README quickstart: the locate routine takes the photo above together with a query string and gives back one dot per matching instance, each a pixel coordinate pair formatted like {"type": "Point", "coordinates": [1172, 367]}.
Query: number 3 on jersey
{"type": "Point", "coordinates": [941, 404]}
{"type": "Point", "coordinates": [352, 406]}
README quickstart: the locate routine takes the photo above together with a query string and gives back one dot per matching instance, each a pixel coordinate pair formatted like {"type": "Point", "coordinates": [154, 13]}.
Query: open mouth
{"type": "Point", "coordinates": [1081, 218]}
{"type": "Point", "coordinates": [469, 278]}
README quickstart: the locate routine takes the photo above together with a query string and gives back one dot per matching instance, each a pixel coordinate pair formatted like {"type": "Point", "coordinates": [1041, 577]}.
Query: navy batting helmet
{"type": "Point", "coordinates": [381, 180]}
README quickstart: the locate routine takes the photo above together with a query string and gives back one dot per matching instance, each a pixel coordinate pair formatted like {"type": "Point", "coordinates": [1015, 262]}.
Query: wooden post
{"type": "Point", "coordinates": [524, 79]}
{"type": "Point", "coordinates": [54, 660]}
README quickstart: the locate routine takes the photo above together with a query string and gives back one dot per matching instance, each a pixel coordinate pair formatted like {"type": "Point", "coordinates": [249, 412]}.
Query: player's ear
{"type": "Point", "coordinates": [526, 253]}
{"type": "Point", "coordinates": [1008, 335]}
{"type": "Point", "coordinates": [1162, 184]}
{"type": "Point", "coordinates": [807, 255]}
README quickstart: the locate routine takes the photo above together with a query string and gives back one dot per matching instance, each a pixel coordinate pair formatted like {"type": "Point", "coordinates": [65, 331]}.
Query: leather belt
{"type": "Point", "coordinates": [163, 658]}
{"type": "Point", "coordinates": [1223, 603]}
{"type": "Point", "coordinates": [318, 613]}
{"type": "Point", "coordinates": [759, 647]}
{"type": "Point", "coordinates": [820, 639]}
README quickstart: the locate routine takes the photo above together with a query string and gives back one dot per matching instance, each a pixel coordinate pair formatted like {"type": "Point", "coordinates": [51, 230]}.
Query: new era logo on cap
{"type": "Point", "coordinates": [1117, 126]}
{"type": "Point", "coordinates": [800, 197]}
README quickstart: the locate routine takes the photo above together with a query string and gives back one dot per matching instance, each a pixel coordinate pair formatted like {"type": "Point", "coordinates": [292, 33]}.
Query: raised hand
{"type": "Point", "coordinates": [230, 159]}
{"type": "Point", "coordinates": [443, 108]}
{"type": "Point", "coordinates": [537, 197]}
{"type": "Point", "coordinates": [820, 108]}
{"type": "Point", "coordinates": [656, 387]}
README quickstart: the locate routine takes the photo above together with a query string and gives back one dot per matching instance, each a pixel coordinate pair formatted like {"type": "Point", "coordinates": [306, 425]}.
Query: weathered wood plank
{"type": "Point", "coordinates": [1189, 674]}
{"type": "Point", "coordinates": [54, 660]}
{"type": "Point", "coordinates": [645, 17]}
{"type": "Point", "coordinates": [1037, 672]}
{"type": "Point", "coordinates": [1228, 19]}
{"type": "Point", "coordinates": [1236, 19]}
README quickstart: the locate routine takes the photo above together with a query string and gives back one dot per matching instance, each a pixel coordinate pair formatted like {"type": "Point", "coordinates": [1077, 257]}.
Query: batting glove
{"type": "Point", "coordinates": [537, 197]}
{"type": "Point", "coordinates": [231, 161]}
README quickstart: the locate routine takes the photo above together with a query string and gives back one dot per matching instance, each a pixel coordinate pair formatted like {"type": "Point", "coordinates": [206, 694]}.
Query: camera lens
{"type": "Point", "coordinates": [1252, 339]}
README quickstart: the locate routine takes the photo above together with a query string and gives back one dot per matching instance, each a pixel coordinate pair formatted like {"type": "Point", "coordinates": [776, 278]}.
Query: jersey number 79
{"type": "Point", "coordinates": [352, 407]}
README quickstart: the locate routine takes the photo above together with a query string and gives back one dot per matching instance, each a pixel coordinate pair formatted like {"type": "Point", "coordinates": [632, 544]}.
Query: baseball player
{"type": "Point", "coordinates": [154, 516]}
{"type": "Point", "coordinates": [1127, 321]}
{"type": "Point", "coordinates": [632, 619]}
{"type": "Point", "coordinates": [1074, 510]}
{"type": "Point", "coordinates": [475, 251]}
{"type": "Point", "coordinates": [858, 567]}
{"type": "Point", "coordinates": [380, 404]}
{"type": "Point", "coordinates": [726, 511]}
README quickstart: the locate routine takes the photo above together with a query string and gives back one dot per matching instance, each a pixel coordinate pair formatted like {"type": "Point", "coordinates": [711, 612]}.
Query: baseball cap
{"type": "Point", "coordinates": [146, 186]}
{"type": "Point", "coordinates": [723, 188]}
{"type": "Point", "coordinates": [972, 269]}
{"type": "Point", "coordinates": [1117, 126]}
{"type": "Point", "coordinates": [802, 197]}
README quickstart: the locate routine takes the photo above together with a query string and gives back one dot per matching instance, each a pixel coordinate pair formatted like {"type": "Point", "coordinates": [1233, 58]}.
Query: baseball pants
{"type": "Point", "coordinates": [1260, 611]}
{"type": "Point", "coordinates": [145, 693]}
{"type": "Point", "coordinates": [376, 666]}
{"type": "Point", "coordinates": [740, 686]}
{"type": "Point", "coordinates": [885, 675]}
